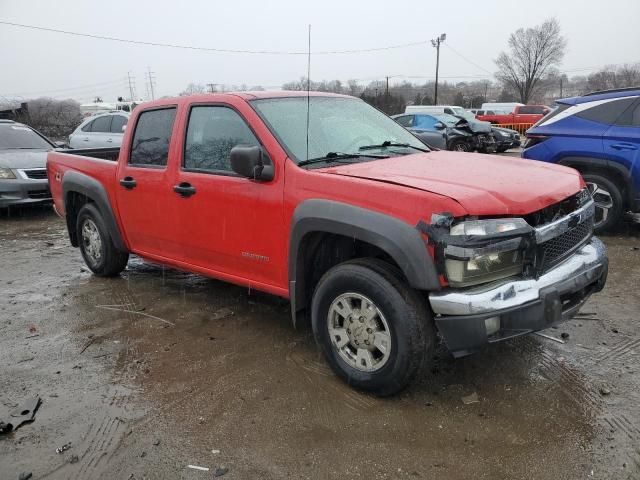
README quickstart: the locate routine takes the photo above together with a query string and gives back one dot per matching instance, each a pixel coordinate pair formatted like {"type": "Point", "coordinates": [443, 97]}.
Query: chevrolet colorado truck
{"type": "Point", "coordinates": [524, 114]}
{"type": "Point", "coordinates": [325, 201]}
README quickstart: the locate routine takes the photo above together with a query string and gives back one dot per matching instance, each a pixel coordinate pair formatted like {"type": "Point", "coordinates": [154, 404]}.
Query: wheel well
{"type": "Point", "coordinates": [614, 175]}
{"type": "Point", "coordinates": [319, 251]}
{"type": "Point", "coordinates": [74, 201]}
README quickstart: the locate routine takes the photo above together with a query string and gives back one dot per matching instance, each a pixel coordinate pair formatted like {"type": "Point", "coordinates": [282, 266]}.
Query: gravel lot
{"type": "Point", "coordinates": [156, 370]}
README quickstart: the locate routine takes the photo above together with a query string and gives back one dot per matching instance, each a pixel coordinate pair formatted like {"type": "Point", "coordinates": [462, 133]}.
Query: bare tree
{"type": "Point", "coordinates": [54, 118]}
{"type": "Point", "coordinates": [533, 53]}
{"type": "Point", "coordinates": [192, 89]}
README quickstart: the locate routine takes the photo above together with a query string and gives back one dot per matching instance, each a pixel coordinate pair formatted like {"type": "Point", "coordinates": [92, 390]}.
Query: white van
{"type": "Point", "coordinates": [503, 107]}
{"type": "Point", "coordinates": [431, 109]}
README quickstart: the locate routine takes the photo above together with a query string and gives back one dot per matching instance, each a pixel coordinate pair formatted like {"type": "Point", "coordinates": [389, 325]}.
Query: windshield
{"type": "Point", "coordinates": [336, 124]}
{"type": "Point", "coordinates": [21, 137]}
{"type": "Point", "coordinates": [448, 120]}
{"type": "Point", "coordinates": [465, 114]}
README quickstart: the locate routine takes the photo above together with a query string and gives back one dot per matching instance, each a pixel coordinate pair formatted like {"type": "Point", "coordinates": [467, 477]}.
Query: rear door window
{"type": "Point", "coordinates": [117, 123]}
{"type": "Point", "coordinates": [405, 120]}
{"type": "Point", "coordinates": [608, 112]}
{"type": "Point", "coordinates": [151, 139]}
{"type": "Point", "coordinates": [101, 124]}
{"type": "Point", "coordinates": [631, 116]}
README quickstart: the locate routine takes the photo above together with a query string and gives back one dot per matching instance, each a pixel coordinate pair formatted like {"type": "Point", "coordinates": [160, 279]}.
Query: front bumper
{"type": "Point", "coordinates": [20, 191]}
{"type": "Point", "coordinates": [523, 306]}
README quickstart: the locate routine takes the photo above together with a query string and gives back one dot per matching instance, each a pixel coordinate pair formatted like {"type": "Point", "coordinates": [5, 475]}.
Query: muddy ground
{"type": "Point", "coordinates": [148, 373]}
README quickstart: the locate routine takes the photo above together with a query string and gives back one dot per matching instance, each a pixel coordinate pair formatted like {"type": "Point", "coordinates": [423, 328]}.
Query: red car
{"type": "Point", "coordinates": [328, 202]}
{"type": "Point", "coordinates": [524, 114]}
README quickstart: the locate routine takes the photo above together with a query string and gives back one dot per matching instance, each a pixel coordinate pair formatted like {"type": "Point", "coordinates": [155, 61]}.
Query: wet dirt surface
{"type": "Point", "coordinates": [156, 370]}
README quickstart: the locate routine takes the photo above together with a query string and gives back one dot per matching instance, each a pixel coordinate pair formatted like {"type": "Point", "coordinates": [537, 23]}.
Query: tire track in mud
{"type": "Point", "coordinates": [319, 375]}
{"type": "Point", "coordinates": [620, 423]}
{"type": "Point", "coordinates": [624, 348]}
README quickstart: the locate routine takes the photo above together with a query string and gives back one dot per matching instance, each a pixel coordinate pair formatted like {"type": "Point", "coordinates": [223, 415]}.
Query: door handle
{"type": "Point", "coordinates": [624, 146]}
{"type": "Point", "coordinates": [128, 182]}
{"type": "Point", "coordinates": [110, 140]}
{"type": "Point", "coordinates": [85, 139]}
{"type": "Point", "coordinates": [184, 189]}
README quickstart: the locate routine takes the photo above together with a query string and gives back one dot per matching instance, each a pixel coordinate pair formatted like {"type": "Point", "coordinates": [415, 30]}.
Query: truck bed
{"type": "Point", "coordinates": [97, 163]}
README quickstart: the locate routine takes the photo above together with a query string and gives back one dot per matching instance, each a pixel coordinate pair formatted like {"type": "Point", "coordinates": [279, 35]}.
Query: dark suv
{"type": "Point", "coordinates": [599, 135]}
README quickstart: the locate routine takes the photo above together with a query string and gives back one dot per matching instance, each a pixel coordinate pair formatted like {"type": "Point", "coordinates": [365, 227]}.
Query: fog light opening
{"type": "Point", "coordinates": [492, 325]}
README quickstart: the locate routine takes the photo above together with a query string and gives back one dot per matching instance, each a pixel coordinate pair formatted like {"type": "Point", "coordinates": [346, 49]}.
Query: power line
{"type": "Point", "coordinates": [209, 49]}
{"type": "Point", "coordinates": [68, 89]}
{"type": "Point", "coordinates": [466, 59]}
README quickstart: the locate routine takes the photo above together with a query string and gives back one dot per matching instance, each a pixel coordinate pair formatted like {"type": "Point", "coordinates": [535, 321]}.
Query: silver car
{"type": "Point", "coordinates": [23, 165]}
{"type": "Point", "coordinates": [102, 130]}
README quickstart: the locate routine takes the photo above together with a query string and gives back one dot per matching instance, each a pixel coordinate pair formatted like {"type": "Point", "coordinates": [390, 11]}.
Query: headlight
{"type": "Point", "coordinates": [6, 173]}
{"type": "Point", "coordinates": [483, 268]}
{"type": "Point", "coordinates": [488, 227]}
{"type": "Point", "coordinates": [485, 260]}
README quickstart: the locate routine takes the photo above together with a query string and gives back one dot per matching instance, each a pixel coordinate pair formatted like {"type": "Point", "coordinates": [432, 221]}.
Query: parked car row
{"type": "Point", "coordinates": [459, 131]}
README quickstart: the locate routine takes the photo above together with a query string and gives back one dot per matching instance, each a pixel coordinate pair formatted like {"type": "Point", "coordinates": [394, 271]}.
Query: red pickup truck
{"type": "Point", "coordinates": [328, 202]}
{"type": "Point", "coordinates": [524, 114]}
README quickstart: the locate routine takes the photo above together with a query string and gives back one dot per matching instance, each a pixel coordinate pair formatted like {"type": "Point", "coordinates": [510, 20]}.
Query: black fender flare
{"type": "Point", "coordinates": [402, 242]}
{"type": "Point", "coordinates": [603, 164]}
{"type": "Point", "coordinates": [91, 188]}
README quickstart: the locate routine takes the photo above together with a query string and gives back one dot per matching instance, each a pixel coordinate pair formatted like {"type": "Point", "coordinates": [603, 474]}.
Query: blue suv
{"type": "Point", "coordinates": [599, 135]}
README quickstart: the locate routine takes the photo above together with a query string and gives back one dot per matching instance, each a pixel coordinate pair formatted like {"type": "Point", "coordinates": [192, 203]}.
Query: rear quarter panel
{"type": "Point", "coordinates": [58, 164]}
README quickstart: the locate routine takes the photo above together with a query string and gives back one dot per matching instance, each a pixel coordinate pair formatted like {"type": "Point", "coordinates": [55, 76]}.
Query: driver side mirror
{"type": "Point", "coordinates": [439, 125]}
{"type": "Point", "coordinates": [61, 144]}
{"type": "Point", "coordinates": [249, 162]}
{"type": "Point", "coordinates": [124, 127]}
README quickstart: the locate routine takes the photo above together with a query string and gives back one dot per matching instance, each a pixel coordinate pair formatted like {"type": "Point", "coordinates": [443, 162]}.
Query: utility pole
{"type": "Point", "coordinates": [152, 80]}
{"type": "Point", "coordinates": [560, 86]}
{"type": "Point", "coordinates": [387, 86]}
{"type": "Point", "coordinates": [436, 44]}
{"type": "Point", "coordinates": [131, 92]}
{"type": "Point", "coordinates": [211, 87]}
{"type": "Point", "coordinates": [486, 87]}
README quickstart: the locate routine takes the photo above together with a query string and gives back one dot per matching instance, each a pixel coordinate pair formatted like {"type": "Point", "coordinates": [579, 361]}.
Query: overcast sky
{"type": "Point", "coordinates": [43, 63]}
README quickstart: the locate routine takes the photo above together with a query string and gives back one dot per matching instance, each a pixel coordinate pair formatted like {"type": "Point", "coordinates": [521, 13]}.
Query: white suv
{"type": "Point", "coordinates": [102, 130]}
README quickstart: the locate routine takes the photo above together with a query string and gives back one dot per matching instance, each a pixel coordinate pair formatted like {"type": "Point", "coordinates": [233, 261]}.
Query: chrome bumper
{"type": "Point", "coordinates": [581, 268]}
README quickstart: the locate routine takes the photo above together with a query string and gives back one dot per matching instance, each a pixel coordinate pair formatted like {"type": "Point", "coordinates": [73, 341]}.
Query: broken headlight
{"type": "Point", "coordinates": [488, 250]}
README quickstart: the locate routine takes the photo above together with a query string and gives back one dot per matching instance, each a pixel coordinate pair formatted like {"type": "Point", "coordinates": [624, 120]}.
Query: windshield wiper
{"type": "Point", "coordinates": [337, 157]}
{"type": "Point", "coordinates": [388, 143]}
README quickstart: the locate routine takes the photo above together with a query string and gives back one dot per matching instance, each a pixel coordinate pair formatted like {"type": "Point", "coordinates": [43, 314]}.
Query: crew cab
{"type": "Point", "coordinates": [325, 201]}
{"type": "Point", "coordinates": [522, 114]}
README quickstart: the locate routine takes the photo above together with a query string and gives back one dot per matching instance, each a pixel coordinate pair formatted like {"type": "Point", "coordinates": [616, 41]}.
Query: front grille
{"type": "Point", "coordinates": [35, 194]}
{"type": "Point", "coordinates": [36, 173]}
{"type": "Point", "coordinates": [555, 250]}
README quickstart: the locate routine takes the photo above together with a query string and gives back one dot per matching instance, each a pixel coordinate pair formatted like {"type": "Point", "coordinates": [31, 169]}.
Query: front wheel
{"type": "Point", "coordinates": [459, 146]}
{"type": "Point", "coordinates": [375, 331]}
{"type": "Point", "coordinates": [608, 202]}
{"type": "Point", "coordinates": [96, 246]}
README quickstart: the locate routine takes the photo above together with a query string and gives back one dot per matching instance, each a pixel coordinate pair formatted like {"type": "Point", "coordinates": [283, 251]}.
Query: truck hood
{"type": "Point", "coordinates": [482, 184]}
{"type": "Point", "coordinates": [23, 158]}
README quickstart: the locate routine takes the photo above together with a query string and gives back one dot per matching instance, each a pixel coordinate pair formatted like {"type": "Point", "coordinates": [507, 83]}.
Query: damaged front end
{"type": "Point", "coordinates": [510, 276]}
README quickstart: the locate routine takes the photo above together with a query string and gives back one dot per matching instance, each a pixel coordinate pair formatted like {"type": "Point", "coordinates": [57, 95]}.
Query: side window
{"type": "Point", "coordinates": [150, 145]}
{"type": "Point", "coordinates": [631, 116]}
{"type": "Point", "coordinates": [117, 123]}
{"type": "Point", "coordinates": [527, 110]}
{"type": "Point", "coordinates": [608, 112]}
{"type": "Point", "coordinates": [405, 120]}
{"type": "Point", "coordinates": [87, 127]}
{"type": "Point", "coordinates": [425, 122]}
{"type": "Point", "coordinates": [211, 134]}
{"type": "Point", "coordinates": [449, 111]}
{"type": "Point", "coordinates": [101, 124]}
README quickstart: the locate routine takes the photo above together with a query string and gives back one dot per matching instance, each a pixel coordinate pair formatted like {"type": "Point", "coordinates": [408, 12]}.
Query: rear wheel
{"type": "Point", "coordinates": [375, 331]}
{"type": "Point", "coordinates": [608, 201]}
{"type": "Point", "coordinates": [96, 246]}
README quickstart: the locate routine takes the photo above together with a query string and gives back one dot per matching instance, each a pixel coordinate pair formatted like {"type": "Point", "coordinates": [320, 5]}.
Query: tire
{"type": "Point", "coordinates": [459, 146]}
{"type": "Point", "coordinates": [608, 200]}
{"type": "Point", "coordinates": [398, 311]}
{"type": "Point", "coordinates": [96, 246]}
